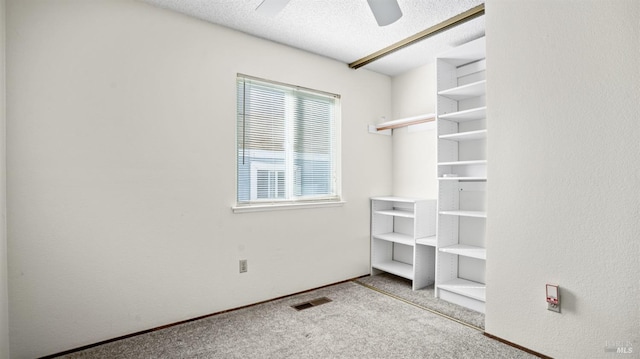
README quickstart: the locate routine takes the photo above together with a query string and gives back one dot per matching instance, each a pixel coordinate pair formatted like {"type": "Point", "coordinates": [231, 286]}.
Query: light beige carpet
{"type": "Point", "coordinates": [358, 323]}
{"type": "Point", "coordinates": [401, 287]}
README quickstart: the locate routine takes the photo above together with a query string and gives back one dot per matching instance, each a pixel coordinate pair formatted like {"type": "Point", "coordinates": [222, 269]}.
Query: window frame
{"type": "Point", "coordinates": [254, 204]}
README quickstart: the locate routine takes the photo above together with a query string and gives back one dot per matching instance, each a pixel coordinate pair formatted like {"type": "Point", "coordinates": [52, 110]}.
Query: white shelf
{"type": "Point", "coordinates": [396, 238]}
{"type": "Point", "coordinates": [427, 241]}
{"type": "Point", "coordinates": [396, 213]}
{"type": "Point", "coordinates": [462, 178]}
{"type": "Point", "coordinates": [394, 267]}
{"type": "Point", "coordinates": [465, 91]}
{"type": "Point", "coordinates": [465, 250]}
{"type": "Point", "coordinates": [462, 163]}
{"type": "Point", "coordinates": [465, 287]}
{"type": "Point", "coordinates": [394, 199]}
{"type": "Point", "coordinates": [465, 136]}
{"type": "Point", "coordinates": [466, 115]}
{"type": "Point", "coordinates": [478, 214]}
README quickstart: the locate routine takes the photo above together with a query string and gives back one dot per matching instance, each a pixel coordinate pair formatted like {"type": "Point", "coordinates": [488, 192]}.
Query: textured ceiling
{"type": "Point", "coordinates": [344, 30]}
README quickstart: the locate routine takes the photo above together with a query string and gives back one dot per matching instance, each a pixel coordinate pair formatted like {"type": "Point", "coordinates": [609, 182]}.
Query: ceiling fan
{"type": "Point", "coordinates": [385, 11]}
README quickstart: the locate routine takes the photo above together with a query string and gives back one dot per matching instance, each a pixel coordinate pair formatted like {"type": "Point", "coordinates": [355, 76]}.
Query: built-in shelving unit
{"type": "Point", "coordinates": [462, 175]}
{"type": "Point", "coordinates": [403, 238]}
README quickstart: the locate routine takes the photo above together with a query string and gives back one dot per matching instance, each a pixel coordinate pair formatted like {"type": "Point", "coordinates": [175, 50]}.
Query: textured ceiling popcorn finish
{"type": "Point", "coordinates": [344, 30]}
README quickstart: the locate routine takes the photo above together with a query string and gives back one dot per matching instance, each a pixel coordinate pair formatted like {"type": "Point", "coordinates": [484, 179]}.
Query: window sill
{"type": "Point", "coordinates": [284, 206]}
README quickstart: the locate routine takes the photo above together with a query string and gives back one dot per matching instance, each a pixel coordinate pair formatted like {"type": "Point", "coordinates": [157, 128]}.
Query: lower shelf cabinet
{"type": "Point", "coordinates": [403, 238]}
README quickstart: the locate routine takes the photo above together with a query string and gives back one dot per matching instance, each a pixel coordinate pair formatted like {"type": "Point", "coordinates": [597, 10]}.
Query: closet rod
{"type": "Point", "coordinates": [445, 25]}
{"type": "Point", "coordinates": [398, 124]}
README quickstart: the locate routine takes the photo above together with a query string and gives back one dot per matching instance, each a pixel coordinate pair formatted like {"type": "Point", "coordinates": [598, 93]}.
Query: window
{"type": "Point", "coordinates": [287, 144]}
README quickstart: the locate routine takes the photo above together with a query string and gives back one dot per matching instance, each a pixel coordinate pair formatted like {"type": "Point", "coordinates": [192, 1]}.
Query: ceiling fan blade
{"type": "Point", "coordinates": [271, 8]}
{"type": "Point", "coordinates": [385, 11]}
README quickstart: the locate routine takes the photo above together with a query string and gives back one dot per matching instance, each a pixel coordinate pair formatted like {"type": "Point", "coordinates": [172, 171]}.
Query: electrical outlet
{"type": "Point", "coordinates": [243, 266]}
{"type": "Point", "coordinates": [553, 298]}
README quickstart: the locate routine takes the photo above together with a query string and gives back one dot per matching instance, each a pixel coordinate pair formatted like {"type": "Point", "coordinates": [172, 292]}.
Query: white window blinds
{"type": "Point", "coordinates": [287, 143]}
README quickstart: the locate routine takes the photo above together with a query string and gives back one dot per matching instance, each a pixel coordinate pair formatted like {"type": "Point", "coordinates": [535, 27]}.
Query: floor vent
{"type": "Point", "coordinates": [311, 303]}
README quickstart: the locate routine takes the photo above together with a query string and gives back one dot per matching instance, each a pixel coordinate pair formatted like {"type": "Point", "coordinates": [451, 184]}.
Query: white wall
{"type": "Point", "coordinates": [413, 93]}
{"type": "Point", "coordinates": [4, 296]}
{"type": "Point", "coordinates": [564, 167]}
{"type": "Point", "coordinates": [121, 173]}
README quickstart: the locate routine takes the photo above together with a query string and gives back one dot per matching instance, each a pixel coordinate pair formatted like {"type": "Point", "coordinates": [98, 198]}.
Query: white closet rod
{"type": "Point", "coordinates": [389, 125]}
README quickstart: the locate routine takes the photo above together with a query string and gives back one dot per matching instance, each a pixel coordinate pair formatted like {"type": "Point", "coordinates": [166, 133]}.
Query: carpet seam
{"type": "Point", "coordinates": [391, 295]}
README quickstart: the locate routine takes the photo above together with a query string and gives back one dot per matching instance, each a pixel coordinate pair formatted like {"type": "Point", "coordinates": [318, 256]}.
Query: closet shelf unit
{"type": "Point", "coordinates": [403, 238]}
{"type": "Point", "coordinates": [462, 175]}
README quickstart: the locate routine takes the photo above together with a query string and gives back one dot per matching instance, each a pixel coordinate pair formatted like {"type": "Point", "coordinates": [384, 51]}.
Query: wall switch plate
{"type": "Point", "coordinates": [243, 266]}
{"type": "Point", "coordinates": [553, 298]}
